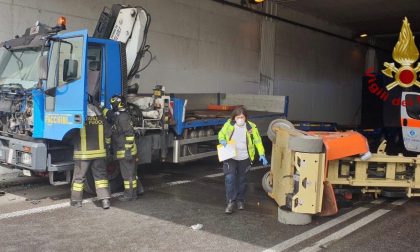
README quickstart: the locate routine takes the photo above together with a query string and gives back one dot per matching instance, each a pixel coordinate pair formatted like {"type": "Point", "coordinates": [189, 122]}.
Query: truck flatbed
{"type": "Point", "coordinates": [206, 118]}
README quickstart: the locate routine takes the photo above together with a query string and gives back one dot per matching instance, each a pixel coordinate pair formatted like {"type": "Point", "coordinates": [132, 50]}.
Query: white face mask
{"type": "Point", "coordinates": [240, 122]}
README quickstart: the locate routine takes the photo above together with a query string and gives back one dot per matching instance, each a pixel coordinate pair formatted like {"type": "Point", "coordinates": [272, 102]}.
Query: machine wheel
{"type": "Point", "coordinates": [267, 183]}
{"type": "Point", "coordinates": [281, 123]}
{"type": "Point", "coordinates": [308, 144]}
{"type": "Point", "coordinates": [114, 177]}
{"type": "Point", "coordinates": [290, 218]}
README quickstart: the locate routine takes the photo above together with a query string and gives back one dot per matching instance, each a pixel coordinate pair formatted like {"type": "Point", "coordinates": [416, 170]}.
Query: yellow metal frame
{"type": "Point", "coordinates": [307, 169]}
{"type": "Point", "coordinates": [391, 166]}
{"type": "Point", "coordinates": [310, 170]}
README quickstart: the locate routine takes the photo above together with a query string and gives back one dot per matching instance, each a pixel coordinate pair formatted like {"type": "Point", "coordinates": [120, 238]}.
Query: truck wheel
{"type": "Point", "coordinates": [290, 218]}
{"type": "Point", "coordinates": [114, 177]}
{"type": "Point", "coordinates": [267, 183]}
{"type": "Point", "coordinates": [308, 144]}
{"type": "Point", "coordinates": [281, 123]}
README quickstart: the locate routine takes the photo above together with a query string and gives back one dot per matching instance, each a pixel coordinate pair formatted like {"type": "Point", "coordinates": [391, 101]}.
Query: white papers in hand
{"type": "Point", "coordinates": [228, 152]}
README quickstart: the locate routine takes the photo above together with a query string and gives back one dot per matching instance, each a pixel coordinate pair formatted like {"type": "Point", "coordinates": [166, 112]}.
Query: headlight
{"type": "Point", "coordinates": [26, 158]}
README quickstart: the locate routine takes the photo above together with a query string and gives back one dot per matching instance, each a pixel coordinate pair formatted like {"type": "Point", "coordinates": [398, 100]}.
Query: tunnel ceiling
{"type": "Point", "coordinates": [375, 17]}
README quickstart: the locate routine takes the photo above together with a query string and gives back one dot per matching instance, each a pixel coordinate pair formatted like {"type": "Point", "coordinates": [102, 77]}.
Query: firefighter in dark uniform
{"type": "Point", "coordinates": [90, 153]}
{"type": "Point", "coordinates": [124, 146]}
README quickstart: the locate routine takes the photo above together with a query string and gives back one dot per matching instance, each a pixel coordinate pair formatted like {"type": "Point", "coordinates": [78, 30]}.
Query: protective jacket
{"type": "Point", "coordinates": [253, 138]}
{"type": "Point", "coordinates": [122, 138]}
{"type": "Point", "coordinates": [90, 153]}
{"type": "Point", "coordinates": [89, 141]}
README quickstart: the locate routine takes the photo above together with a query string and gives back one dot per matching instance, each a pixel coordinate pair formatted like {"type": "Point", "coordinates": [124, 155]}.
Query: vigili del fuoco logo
{"type": "Point", "coordinates": [405, 75]}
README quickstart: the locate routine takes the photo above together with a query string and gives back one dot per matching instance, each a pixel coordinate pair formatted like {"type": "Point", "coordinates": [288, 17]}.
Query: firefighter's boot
{"type": "Point", "coordinates": [140, 188]}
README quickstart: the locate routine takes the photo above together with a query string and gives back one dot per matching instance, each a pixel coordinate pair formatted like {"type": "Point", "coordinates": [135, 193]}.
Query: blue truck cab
{"type": "Point", "coordinates": [79, 68]}
{"type": "Point", "coordinates": [46, 80]}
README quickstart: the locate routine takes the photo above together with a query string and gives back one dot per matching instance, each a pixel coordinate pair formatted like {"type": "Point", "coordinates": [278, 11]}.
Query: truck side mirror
{"type": "Point", "coordinates": [70, 70]}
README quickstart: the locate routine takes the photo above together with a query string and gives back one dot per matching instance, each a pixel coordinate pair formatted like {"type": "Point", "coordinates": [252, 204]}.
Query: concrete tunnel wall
{"type": "Point", "coordinates": [204, 47]}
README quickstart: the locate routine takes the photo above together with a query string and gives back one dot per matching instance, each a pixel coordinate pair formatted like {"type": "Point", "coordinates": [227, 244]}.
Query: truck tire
{"type": "Point", "coordinates": [290, 218]}
{"type": "Point", "coordinates": [267, 184]}
{"type": "Point", "coordinates": [281, 123]}
{"type": "Point", "coordinates": [114, 177]}
{"type": "Point", "coordinates": [308, 144]}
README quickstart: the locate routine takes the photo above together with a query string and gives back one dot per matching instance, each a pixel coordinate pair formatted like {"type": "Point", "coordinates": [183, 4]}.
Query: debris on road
{"type": "Point", "coordinates": [197, 226]}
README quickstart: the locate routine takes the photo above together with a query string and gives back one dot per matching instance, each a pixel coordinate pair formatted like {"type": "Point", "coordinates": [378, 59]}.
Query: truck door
{"type": "Point", "coordinates": [66, 85]}
{"type": "Point", "coordinates": [410, 120]}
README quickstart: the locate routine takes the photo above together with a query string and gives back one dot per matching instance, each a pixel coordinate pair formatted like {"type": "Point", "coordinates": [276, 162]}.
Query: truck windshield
{"type": "Point", "coordinates": [19, 67]}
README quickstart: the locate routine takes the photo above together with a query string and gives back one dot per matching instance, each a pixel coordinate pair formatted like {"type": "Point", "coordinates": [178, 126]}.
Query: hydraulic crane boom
{"type": "Point", "coordinates": [128, 25]}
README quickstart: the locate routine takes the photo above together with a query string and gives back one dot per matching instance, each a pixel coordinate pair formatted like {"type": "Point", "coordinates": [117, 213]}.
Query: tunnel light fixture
{"type": "Point", "coordinates": [363, 35]}
{"type": "Point", "coordinates": [256, 1]}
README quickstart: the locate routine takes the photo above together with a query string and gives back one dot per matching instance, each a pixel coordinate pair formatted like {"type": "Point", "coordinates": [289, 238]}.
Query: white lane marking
{"type": "Point", "coordinates": [399, 202]}
{"type": "Point", "coordinates": [314, 231]}
{"type": "Point", "coordinates": [378, 201]}
{"type": "Point", "coordinates": [222, 174]}
{"type": "Point", "coordinates": [215, 175]}
{"type": "Point", "coordinates": [346, 231]}
{"type": "Point", "coordinates": [47, 208]}
{"type": "Point", "coordinates": [178, 182]}
{"type": "Point", "coordinates": [66, 204]}
{"type": "Point", "coordinates": [33, 210]}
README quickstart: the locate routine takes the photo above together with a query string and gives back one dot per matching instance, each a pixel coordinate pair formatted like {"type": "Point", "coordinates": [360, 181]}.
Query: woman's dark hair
{"type": "Point", "coordinates": [237, 111]}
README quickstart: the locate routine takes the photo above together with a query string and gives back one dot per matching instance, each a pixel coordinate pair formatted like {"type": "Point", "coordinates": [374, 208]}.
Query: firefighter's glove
{"type": "Point", "coordinates": [223, 142]}
{"type": "Point", "coordinates": [128, 154]}
{"type": "Point", "coordinates": [263, 160]}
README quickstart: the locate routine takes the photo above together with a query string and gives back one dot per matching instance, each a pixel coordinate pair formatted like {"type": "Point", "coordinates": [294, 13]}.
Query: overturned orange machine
{"type": "Point", "coordinates": [307, 166]}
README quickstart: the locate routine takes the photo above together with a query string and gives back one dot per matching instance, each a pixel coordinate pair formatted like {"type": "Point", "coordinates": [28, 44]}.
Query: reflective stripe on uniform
{"type": "Point", "coordinates": [127, 184]}
{"type": "Point", "coordinates": [108, 140]}
{"type": "Point", "coordinates": [128, 146]}
{"type": "Point", "coordinates": [78, 187]}
{"type": "Point", "coordinates": [129, 139]}
{"type": "Point", "coordinates": [133, 151]}
{"type": "Point", "coordinates": [100, 134]}
{"type": "Point", "coordinates": [89, 154]}
{"type": "Point", "coordinates": [121, 154]}
{"type": "Point", "coordinates": [101, 183]}
{"type": "Point", "coordinates": [83, 139]}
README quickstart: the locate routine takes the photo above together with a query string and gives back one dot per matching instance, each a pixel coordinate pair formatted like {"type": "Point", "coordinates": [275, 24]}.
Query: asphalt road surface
{"type": "Point", "coordinates": [35, 216]}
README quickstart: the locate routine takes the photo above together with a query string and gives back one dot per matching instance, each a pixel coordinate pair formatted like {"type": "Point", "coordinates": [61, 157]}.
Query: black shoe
{"type": "Point", "coordinates": [75, 203]}
{"type": "Point", "coordinates": [125, 198]}
{"type": "Point", "coordinates": [140, 189]}
{"type": "Point", "coordinates": [106, 204]}
{"type": "Point", "coordinates": [240, 205]}
{"type": "Point", "coordinates": [229, 207]}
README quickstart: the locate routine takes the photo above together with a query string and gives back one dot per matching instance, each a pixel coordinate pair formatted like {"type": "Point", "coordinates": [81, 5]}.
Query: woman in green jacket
{"type": "Point", "coordinates": [247, 139]}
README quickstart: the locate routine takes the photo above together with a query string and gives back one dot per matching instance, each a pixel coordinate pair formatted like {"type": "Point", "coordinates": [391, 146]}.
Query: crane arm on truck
{"type": "Point", "coordinates": [128, 25]}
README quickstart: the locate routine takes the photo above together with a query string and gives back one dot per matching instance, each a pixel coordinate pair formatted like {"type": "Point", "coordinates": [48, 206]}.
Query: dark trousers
{"type": "Point", "coordinates": [81, 167]}
{"type": "Point", "coordinates": [235, 178]}
{"type": "Point", "coordinates": [129, 173]}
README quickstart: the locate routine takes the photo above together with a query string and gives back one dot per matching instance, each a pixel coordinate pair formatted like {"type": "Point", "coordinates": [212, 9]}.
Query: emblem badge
{"type": "Point", "coordinates": [406, 54]}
